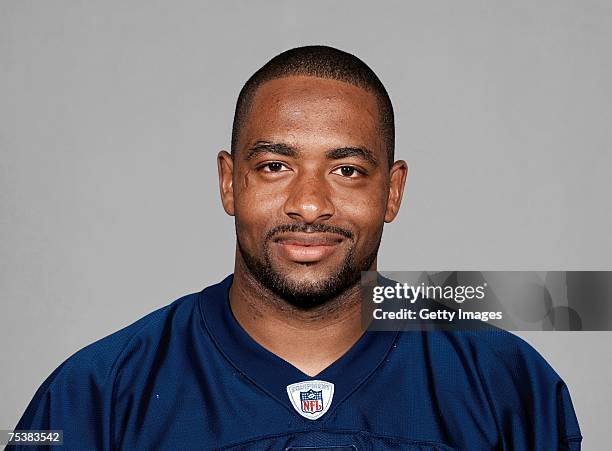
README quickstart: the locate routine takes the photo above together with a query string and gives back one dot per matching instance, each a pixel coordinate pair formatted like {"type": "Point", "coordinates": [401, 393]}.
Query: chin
{"type": "Point", "coordinates": [308, 275]}
{"type": "Point", "coordinates": [309, 290]}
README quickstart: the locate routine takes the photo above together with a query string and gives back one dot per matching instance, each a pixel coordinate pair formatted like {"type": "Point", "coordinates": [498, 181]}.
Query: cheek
{"type": "Point", "coordinates": [256, 205]}
{"type": "Point", "coordinates": [364, 207]}
{"type": "Point", "coordinates": [365, 212]}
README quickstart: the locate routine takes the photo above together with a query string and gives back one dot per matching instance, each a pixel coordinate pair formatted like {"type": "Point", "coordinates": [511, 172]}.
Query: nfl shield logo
{"type": "Point", "coordinates": [311, 399]}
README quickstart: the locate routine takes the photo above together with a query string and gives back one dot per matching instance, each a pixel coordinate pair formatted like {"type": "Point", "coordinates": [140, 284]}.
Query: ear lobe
{"type": "Point", "coordinates": [225, 167]}
{"type": "Point", "coordinates": [398, 174]}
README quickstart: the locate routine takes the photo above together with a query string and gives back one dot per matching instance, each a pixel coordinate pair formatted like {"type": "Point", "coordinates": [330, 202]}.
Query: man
{"type": "Point", "coordinates": [274, 356]}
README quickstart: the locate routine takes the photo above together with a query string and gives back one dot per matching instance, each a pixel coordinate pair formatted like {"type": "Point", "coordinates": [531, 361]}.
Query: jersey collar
{"type": "Point", "coordinates": [273, 374]}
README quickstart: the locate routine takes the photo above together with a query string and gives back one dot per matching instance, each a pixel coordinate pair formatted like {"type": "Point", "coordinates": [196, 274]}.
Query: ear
{"type": "Point", "coordinates": [398, 174]}
{"type": "Point", "coordinates": [225, 166]}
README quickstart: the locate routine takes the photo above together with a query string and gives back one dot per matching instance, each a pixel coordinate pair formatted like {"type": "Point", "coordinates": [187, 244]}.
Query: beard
{"type": "Point", "coordinates": [307, 295]}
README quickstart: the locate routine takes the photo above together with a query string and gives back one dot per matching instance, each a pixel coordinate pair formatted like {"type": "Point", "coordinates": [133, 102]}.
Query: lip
{"type": "Point", "coordinates": [307, 247]}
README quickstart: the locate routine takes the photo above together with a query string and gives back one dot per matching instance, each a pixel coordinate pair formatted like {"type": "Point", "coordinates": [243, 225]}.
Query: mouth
{"type": "Point", "coordinates": [307, 247]}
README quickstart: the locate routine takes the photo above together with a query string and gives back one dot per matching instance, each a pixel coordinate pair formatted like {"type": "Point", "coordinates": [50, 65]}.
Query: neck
{"type": "Point", "coordinates": [310, 340]}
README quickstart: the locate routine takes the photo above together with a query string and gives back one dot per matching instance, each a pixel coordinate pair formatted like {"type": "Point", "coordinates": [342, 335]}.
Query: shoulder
{"type": "Point", "coordinates": [518, 378]}
{"type": "Point", "coordinates": [83, 385]}
{"type": "Point", "coordinates": [522, 389]}
{"type": "Point", "coordinates": [501, 362]}
{"type": "Point", "coordinates": [498, 346]}
{"type": "Point", "coordinates": [505, 359]}
{"type": "Point", "coordinates": [508, 377]}
{"type": "Point", "coordinates": [104, 354]}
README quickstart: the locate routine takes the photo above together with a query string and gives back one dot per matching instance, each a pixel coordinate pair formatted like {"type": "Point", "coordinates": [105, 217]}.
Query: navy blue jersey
{"type": "Point", "coordinates": [188, 376]}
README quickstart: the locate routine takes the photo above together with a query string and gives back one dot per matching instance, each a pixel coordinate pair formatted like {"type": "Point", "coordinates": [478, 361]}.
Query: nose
{"type": "Point", "coordinates": [309, 200]}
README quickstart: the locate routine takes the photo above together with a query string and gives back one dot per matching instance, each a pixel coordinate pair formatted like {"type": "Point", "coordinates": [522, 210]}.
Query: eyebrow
{"type": "Point", "coordinates": [359, 152]}
{"type": "Point", "coordinates": [267, 147]}
{"type": "Point", "coordinates": [289, 151]}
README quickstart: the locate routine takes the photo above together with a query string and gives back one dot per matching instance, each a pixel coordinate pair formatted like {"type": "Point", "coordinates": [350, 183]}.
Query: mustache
{"type": "Point", "coordinates": [308, 228]}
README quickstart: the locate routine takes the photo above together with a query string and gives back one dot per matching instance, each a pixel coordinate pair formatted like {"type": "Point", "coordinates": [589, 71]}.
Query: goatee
{"type": "Point", "coordinates": [307, 295]}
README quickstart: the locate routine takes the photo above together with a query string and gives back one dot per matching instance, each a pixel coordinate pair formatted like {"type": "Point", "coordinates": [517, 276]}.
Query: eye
{"type": "Point", "coordinates": [348, 171]}
{"type": "Point", "coordinates": [273, 166]}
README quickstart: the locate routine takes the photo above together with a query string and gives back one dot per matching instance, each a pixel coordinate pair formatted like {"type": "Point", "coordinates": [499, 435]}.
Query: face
{"type": "Point", "coordinates": [310, 187]}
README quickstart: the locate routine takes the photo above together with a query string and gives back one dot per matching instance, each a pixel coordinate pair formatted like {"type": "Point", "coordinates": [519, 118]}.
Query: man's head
{"type": "Point", "coordinates": [311, 178]}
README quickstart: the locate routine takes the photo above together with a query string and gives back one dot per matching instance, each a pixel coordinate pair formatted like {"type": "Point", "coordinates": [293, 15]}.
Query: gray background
{"type": "Point", "coordinates": [111, 114]}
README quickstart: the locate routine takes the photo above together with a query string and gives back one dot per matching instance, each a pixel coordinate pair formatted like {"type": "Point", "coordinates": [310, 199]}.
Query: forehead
{"type": "Point", "coordinates": [307, 110]}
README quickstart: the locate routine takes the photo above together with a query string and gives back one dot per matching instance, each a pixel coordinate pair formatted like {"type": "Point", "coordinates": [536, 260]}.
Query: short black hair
{"type": "Point", "coordinates": [323, 62]}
